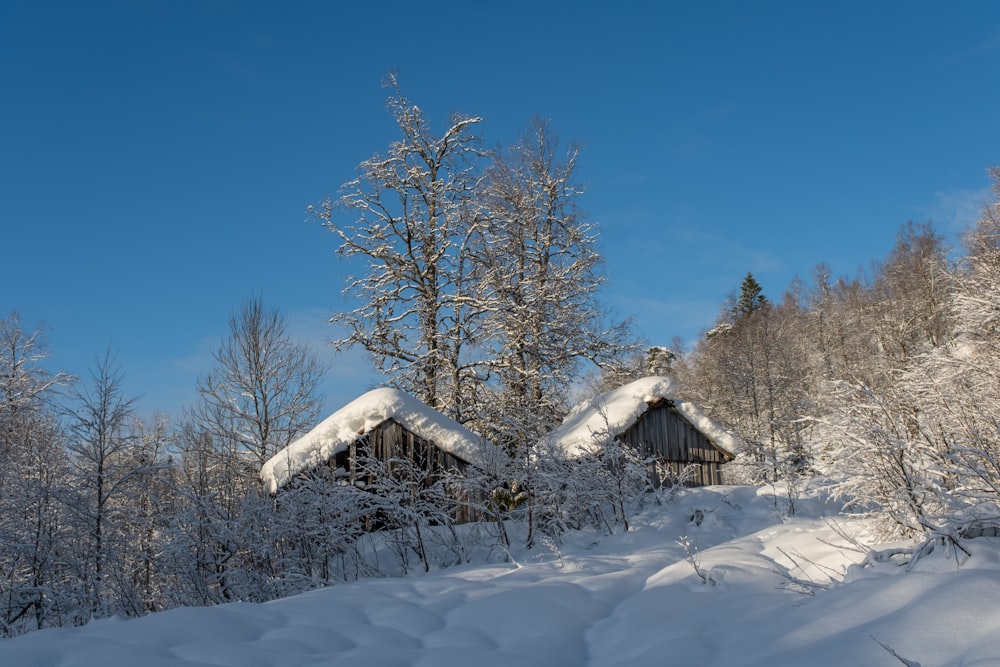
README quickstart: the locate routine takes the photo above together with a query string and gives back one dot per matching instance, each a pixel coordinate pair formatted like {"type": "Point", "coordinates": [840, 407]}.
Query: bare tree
{"type": "Point", "coordinates": [260, 395]}
{"type": "Point", "coordinates": [540, 278]}
{"type": "Point", "coordinates": [263, 390]}
{"type": "Point", "coordinates": [32, 474]}
{"type": "Point", "coordinates": [24, 381]}
{"type": "Point", "coordinates": [99, 417]}
{"type": "Point", "coordinates": [416, 215]}
{"type": "Point", "coordinates": [909, 304]}
{"type": "Point", "coordinates": [136, 578]}
{"type": "Point", "coordinates": [751, 373]}
{"type": "Point", "coordinates": [916, 445]}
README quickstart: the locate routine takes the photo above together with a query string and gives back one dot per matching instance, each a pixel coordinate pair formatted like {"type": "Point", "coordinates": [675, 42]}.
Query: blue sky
{"type": "Point", "coordinates": [157, 158]}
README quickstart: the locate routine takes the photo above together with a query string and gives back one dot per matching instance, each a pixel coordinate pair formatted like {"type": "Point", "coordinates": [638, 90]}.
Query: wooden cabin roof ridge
{"type": "Point", "coordinates": [336, 433]}
{"type": "Point", "coordinates": [615, 411]}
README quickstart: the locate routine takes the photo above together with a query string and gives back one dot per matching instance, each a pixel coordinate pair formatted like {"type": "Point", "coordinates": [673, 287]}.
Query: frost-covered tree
{"type": "Point", "coordinates": [838, 338]}
{"type": "Point", "coordinates": [218, 539]}
{"type": "Point", "coordinates": [261, 394]}
{"type": "Point", "coordinates": [25, 384]}
{"type": "Point", "coordinates": [38, 588]}
{"type": "Point", "coordinates": [887, 458]}
{"type": "Point", "coordinates": [100, 418]}
{"type": "Point", "coordinates": [202, 531]}
{"type": "Point", "coordinates": [863, 330]}
{"type": "Point", "coordinates": [318, 531]}
{"type": "Point", "coordinates": [909, 309]}
{"type": "Point", "coordinates": [479, 291]}
{"type": "Point", "coordinates": [416, 216]}
{"type": "Point", "coordinates": [262, 391]}
{"type": "Point", "coordinates": [957, 384]}
{"type": "Point", "coordinates": [540, 275]}
{"type": "Point", "coordinates": [916, 445]}
{"type": "Point", "coordinates": [34, 590]}
{"type": "Point", "coordinates": [136, 578]}
{"type": "Point", "coordinates": [750, 372]}
{"type": "Point", "coordinates": [595, 489]}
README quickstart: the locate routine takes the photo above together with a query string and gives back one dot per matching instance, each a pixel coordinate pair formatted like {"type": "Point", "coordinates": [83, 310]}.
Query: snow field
{"type": "Point", "coordinates": [628, 599]}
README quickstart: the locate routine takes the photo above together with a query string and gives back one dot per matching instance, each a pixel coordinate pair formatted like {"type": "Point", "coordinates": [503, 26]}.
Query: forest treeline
{"type": "Point", "coordinates": [886, 385]}
{"type": "Point", "coordinates": [479, 293]}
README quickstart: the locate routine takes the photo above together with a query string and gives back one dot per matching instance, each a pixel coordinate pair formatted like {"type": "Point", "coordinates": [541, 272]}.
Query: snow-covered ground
{"type": "Point", "coordinates": [778, 592]}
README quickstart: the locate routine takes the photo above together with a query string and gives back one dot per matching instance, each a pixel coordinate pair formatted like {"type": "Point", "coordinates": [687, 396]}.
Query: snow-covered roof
{"type": "Point", "coordinates": [336, 433]}
{"type": "Point", "coordinates": [614, 412]}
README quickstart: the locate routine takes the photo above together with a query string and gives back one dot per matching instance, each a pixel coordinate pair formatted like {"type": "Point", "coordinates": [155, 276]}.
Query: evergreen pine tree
{"type": "Point", "coordinates": [751, 298]}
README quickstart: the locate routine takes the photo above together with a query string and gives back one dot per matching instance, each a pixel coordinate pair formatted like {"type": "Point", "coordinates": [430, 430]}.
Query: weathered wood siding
{"type": "Point", "coordinates": [665, 433]}
{"type": "Point", "coordinates": [391, 440]}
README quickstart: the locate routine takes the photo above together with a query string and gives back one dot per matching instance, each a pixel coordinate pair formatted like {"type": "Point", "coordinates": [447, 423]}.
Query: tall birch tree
{"type": "Point", "coordinates": [540, 276]}
{"type": "Point", "coordinates": [416, 215]}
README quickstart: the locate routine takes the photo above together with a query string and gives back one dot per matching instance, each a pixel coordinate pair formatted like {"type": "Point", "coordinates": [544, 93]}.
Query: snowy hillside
{"type": "Point", "coordinates": [774, 593]}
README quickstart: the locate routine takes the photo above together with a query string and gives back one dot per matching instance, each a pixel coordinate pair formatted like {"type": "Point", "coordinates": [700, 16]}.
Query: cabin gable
{"type": "Point", "coordinates": [390, 442]}
{"type": "Point", "coordinates": [664, 432]}
{"type": "Point", "coordinates": [392, 425]}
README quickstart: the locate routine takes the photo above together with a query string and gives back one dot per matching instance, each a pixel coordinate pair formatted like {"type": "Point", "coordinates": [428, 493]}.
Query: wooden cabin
{"type": "Point", "coordinates": [389, 426]}
{"type": "Point", "coordinates": [646, 415]}
{"type": "Point", "coordinates": [665, 432]}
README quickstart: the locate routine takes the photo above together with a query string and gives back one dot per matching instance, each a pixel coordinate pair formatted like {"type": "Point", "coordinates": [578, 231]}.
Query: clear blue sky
{"type": "Point", "coordinates": [156, 158]}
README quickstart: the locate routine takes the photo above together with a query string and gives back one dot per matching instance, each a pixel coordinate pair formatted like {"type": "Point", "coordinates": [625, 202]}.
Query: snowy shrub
{"type": "Point", "coordinates": [889, 463]}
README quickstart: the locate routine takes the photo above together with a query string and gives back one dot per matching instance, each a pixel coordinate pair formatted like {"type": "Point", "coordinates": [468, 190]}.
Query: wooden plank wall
{"type": "Point", "coordinates": [390, 440]}
{"type": "Point", "coordinates": [665, 433]}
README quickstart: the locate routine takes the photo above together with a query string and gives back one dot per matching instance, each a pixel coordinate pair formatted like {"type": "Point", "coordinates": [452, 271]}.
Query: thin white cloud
{"type": "Point", "coordinates": [708, 248]}
{"type": "Point", "coordinates": [659, 320]}
{"type": "Point", "coordinates": [984, 48]}
{"type": "Point", "coordinates": [956, 211]}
